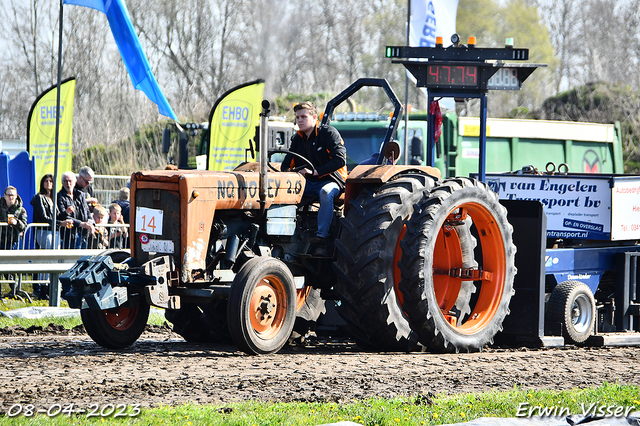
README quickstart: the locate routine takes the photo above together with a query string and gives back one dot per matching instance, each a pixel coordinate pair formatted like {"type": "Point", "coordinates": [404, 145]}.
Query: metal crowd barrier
{"type": "Point", "coordinates": [37, 236]}
{"type": "Point", "coordinates": [107, 187]}
{"type": "Point", "coordinates": [31, 258]}
{"type": "Point", "coordinates": [7, 239]}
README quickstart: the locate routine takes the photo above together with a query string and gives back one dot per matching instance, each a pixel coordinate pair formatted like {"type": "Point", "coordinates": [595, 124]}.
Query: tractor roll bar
{"type": "Point", "coordinates": [357, 85]}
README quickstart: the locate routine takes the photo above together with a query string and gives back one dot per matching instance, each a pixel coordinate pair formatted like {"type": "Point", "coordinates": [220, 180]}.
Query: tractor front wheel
{"type": "Point", "coordinates": [119, 327]}
{"type": "Point", "coordinates": [261, 309]}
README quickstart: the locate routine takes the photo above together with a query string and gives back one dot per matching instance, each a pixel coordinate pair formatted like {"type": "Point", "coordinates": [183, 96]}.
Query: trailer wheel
{"type": "Point", "coordinates": [433, 270]}
{"type": "Point", "coordinates": [572, 304]}
{"type": "Point", "coordinates": [262, 306]}
{"type": "Point", "coordinates": [368, 254]}
{"type": "Point", "coordinates": [119, 327]}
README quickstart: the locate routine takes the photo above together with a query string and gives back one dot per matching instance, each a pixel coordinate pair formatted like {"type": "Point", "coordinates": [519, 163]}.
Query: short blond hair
{"type": "Point", "coordinates": [100, 209]}
{"type": "Point", "coordinates": [124, 194]}
{"type": "Point", "coordinates": [115, 206]}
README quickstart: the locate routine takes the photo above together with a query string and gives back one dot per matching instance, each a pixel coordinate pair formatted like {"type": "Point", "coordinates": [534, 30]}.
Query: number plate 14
{"type": "Point", "coordinates": [149, 220]}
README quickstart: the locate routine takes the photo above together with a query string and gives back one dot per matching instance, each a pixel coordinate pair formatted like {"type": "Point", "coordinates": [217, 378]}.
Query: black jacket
{"type": "Point", "coordinates": [42, 209]}
{"type": "Point", "coordinates": [81, 209]}
{"type": "Point", "coordinates": [325, 149]}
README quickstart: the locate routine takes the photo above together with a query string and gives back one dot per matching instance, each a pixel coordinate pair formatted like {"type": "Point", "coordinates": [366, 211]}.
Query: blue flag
{"type": "Point", "coordinates": [130, 50]}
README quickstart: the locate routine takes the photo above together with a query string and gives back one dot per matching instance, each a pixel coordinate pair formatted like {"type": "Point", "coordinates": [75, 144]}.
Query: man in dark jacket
{"type": "Point", "coordinates": [73, 214]}
{"type": "Point", "coordinates": [324, 148]}
{"type": "Point", "coordinates": [14, 215]}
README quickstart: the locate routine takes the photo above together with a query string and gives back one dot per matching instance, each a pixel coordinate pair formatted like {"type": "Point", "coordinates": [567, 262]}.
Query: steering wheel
{"type": "Point", "coordinates": [306, 163]}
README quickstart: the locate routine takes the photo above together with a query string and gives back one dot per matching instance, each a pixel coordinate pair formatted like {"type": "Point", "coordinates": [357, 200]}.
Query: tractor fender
{"type": "Point", "coordinates": [375, 176]}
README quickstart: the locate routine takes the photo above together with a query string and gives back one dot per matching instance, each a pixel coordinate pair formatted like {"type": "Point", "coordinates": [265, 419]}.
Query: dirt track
{"type": "Point", "coordinates": [160, 368]}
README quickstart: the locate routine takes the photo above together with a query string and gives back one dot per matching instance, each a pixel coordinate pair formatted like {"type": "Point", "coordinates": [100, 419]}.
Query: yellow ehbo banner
{"type": "Point", "coordinates": [41, 132]}
{"type": "Point", "coordinates": [232, 122]}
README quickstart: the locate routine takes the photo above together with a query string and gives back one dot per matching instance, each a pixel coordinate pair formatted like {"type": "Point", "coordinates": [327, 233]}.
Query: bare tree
{"type": "Point", "coordinates": [561, 18]}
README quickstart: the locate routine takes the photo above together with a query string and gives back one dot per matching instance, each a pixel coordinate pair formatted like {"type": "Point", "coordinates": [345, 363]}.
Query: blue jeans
{"type": "Point", "coordinates": [44, 239]}
{"type": "Point", "coordinates": [327, 192]}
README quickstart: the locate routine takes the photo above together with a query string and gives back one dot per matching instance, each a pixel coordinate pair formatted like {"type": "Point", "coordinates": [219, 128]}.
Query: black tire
{"type": "Point", "coordinates": [119, 327]}
{"type": "Point", "coordinates": [366, 266]}
{"type": "Point", "coordinates": [262, 306]}
{"type": "Point", "coordinates": [189, 322]}
{"type": "Point", "coordinates": [117, 256]}
{"type": "Point", "coordinates": [431, 254]}
{"type": "Point", "coordinates": [309, 310]}
{"type": "Point", "coordinates": [215, 317]}
{"type": "Point", "coordinates": [572, 304]}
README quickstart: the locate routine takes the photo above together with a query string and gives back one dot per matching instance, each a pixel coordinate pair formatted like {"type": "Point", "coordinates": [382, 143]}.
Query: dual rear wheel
{"type": "Point", "coordinates": [425, 263]}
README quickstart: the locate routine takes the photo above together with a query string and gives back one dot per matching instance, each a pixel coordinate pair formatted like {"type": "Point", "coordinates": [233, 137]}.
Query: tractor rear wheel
{"type": "Point", "coordinates": [572, 304]}
{"type": "Point", "coordinates": [310, 305]}
{"type": "Point", "coordinates": [119, 327]}
{"type": "Point", "coordinates": [261, 308]}
{"type": "Point", "coordinates": [188, 322]}
{"type": "Point", "coordinates": [215, 317]}
{"type": "Point", "coordinates": [368, 254]}
{"type": "Point", "coordinates": [438, 282]}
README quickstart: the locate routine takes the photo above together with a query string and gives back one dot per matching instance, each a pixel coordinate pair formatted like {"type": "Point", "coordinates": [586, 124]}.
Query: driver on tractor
{"type": "Point", "coordinates": [324, 148]}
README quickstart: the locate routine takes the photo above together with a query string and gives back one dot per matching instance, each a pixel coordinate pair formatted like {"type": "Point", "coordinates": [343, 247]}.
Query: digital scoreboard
{"type": "Point", "coordinates": [464, 69]}
{"type": "Point", "coordinates": [440, 75]}
{"type": "Point", "coordinates": [460, 71]}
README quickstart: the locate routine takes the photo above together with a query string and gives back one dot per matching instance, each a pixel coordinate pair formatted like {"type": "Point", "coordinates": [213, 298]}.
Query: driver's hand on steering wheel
{"type": "Point", "coordinates": [307, 171]}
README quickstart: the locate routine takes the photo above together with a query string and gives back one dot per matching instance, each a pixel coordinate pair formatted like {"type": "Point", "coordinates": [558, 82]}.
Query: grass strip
{"type": "Point", "coordinates": [418, 410]}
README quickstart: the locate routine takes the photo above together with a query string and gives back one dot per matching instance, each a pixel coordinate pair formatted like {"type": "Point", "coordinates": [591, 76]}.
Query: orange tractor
{"type": "Point", "coordinates": [228, 255]}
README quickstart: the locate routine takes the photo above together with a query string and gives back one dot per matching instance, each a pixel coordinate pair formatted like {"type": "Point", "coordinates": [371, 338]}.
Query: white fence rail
{"type": "Point", "coordinates": [31, 258]}
{"type": "Point", "coordinates": [107, 187]}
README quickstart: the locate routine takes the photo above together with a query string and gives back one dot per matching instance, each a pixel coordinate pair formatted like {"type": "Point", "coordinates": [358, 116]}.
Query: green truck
{"type": "Point", "coordinates": [511, 143]}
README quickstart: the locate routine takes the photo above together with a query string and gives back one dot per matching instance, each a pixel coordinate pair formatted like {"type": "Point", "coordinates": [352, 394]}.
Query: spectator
{"type": "Point", "coordinates": [42, 204]}
{"type": "Point", "coordinates": [118, 238]}
{"type": "Point", "coordinates": [14, 215]}
{"type": "Point", "coordinates": [123, 202]}
{"type": "Point", "coordinates": [85, 179]}
{"type": "Point", "coordinates": [73, 214]}
{"type": "Point", "coordinates": [99, 238]}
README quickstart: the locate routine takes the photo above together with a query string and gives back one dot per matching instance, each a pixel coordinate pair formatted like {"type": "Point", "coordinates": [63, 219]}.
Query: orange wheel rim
{"type": "Point", "coordinates": [268, 307]}
{"type": "Point", "coordinates": [447, 255]}
{"type": "Point", "coordinates": [121, 318]}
